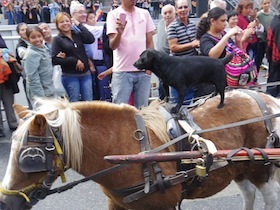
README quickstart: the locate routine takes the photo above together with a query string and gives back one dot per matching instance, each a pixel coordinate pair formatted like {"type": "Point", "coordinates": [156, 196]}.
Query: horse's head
{"type": "Point", "coordinates": [36, 159]}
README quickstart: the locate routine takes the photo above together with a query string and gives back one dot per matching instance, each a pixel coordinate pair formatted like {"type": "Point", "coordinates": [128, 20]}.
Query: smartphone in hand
{"type": "Point", "coordinates": [122, 18]}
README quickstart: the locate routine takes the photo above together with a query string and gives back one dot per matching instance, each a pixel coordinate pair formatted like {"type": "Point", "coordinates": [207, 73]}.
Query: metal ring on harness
{"type": "Point", "coordinates": [141, 135]}
{"type": "Point", "coordinates": [191, 140]}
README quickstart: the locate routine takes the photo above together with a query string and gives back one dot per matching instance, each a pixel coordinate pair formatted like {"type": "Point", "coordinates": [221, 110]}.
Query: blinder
{"type": "Point", "coordinates": [37, 157]}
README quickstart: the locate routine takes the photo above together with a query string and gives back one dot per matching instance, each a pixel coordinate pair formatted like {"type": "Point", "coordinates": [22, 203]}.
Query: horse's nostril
{"type": "Point", "coordinates": [3, 206]}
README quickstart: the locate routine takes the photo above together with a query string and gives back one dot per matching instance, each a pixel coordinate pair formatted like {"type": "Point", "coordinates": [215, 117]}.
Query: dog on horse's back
{"type": "Point", "coordinates": [183, 73]}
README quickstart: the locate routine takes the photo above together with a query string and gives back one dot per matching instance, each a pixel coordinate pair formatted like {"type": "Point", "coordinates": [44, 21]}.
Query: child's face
{"type": "Point", "coordinates": [91, 20]}
{"type": "Point", "coordinates": [22, 31]}
{"type": "Point", "coordinates": [265, 5]}
{"type": "Point", "coordinates": [36, 38]}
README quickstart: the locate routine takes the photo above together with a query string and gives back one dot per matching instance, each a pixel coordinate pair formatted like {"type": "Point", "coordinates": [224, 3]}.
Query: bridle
{"type": "Point", "coordinates": [39, 154]}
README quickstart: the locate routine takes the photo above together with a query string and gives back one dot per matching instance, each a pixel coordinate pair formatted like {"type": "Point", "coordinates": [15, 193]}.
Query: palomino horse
{"type": "Point", "coordinates": [92, 130]}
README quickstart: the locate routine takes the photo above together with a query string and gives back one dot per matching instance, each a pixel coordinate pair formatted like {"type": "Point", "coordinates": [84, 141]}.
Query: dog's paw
{"type": "Point", "coordinates": [174, 110]}
{"type": "Point", "coordinates": [220, 106]}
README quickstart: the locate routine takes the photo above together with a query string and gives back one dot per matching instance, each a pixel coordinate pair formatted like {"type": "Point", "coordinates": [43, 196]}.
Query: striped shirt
{"type": "Point", "coordinates": [184, 34]}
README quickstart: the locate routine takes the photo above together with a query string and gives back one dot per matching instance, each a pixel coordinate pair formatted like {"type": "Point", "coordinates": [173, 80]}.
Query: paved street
{"type": "Point", "coordinates": [88, 196]}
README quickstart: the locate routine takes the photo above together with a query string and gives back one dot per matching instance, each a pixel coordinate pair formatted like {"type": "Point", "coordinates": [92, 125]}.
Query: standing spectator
{"type": "Point", "coordinates": [136, 31]}
{"type": "Point", "coordinates": [181, 39]}
{"type": "Point", "coordinates": [101, 88]}
{"type": "Point", "coordinates": [37, 66]}
{"type": "Point", "coordinates": [46, 15]}
{"type": "Point", "coordinates": [97, 5]}
{"type": "Point", "coordinates": [9, 11]}
{"type": "Point", "coordinates": [273, 54]}
{"type": "Point", "coordinates": [146, 5]}
{"type": "Point", "coordinates": [215, 43]}
{"type": "Point", "coordinates": [88, 4]}
{"type": "Point", "coordinates": [1, 12]}
{"type": "Point", "coordinates": [265, 16]}
{"type": "Point", "coordinates": [54, 9]}
{"type": "Point", "coordinates": [244, 10]}
{"type": "Point", "coordinates": [46, 30]}
{"type": "Point", "coordinates": [78, 12]}
{"type": "Point", "coordinates": [76, 76]}
{"type": "Point", "coordinates": [17, 12]}
{"type": "Point", "coordinates": [168, 14]}
{"type": "Point", "coordinates": [20, 52]}
{"type": "Point", "coordinates": [25, 11]}
{"type": "Point", "coordinates": [47, 34]}
{"type": "Point", "coordinates": [34, 13]}
{"type": "Point", "coordinates": [66, 7]}
{"type": "Point", "coordinates": [7, 82]}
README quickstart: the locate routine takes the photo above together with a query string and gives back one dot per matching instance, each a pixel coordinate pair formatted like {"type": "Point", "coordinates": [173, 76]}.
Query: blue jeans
{"type": "Point", "coordinates": [78, 88]}
{"type": "Point", "coordinates": [103, 86]}
{"type": "Point", "coordinates": [187, 99]}
{"type": "Point", "coordinates": [123, 83]}
{"type": "Point", "coordinates": [10, 18]}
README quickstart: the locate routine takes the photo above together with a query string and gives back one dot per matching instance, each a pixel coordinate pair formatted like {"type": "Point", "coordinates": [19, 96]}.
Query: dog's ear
{"type": "Point", "coordinates": [151, 54]}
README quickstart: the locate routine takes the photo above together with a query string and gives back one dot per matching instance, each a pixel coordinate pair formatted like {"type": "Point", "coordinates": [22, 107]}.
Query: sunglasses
{"type": "Point", "coordinates": [183, 7]}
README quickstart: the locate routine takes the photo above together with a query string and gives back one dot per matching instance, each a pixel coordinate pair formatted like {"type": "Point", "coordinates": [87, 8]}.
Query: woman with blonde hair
{"type": "Point", "coordinates": [76, 75]}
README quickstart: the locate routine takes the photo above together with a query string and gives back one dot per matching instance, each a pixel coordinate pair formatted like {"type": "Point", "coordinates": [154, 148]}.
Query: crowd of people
{"type": "Point", "coordinates": [35, 11]}
{"type": "Point", "coordinates": [90, 58]}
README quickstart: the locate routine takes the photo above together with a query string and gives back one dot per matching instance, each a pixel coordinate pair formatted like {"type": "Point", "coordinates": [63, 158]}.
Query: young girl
{"type": "Point", "coordinates": [38, 66]}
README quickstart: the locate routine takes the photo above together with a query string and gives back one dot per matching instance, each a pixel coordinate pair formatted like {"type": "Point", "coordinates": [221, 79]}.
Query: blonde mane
{"type": "Point", "coordinates": [155, 121]}
{"type": "Point", "coordinates": [58, 113]}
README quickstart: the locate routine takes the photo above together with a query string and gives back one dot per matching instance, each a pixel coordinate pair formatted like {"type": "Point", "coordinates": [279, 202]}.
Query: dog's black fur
{"type": "Point", "coordinates": [183, 73]}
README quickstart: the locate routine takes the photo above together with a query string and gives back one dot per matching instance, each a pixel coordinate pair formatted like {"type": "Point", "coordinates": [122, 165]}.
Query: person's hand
{"type": "Point", "coordinates": [102, 75]}
{"type": "Point", "coordinates": [120, 27]}
{"type": "Point", "coordinates": [75, 21]}
{"type": "Point", "coordinates": [195, 43]}
{"type": "Point", "coordinates": [148, 72]}
{"type": "Point", "coordinates": [234, 31]}
{"type": "Point", "coordinates": [253, 24]}
{"type": "Point", "coordinates": [61, 55]}
{"type": "Point", "coordinates": [248, 32]}
{"type": "Point", "coordinates": [80, 65]}
{"type": "Point", "coordinates": [92, 69]}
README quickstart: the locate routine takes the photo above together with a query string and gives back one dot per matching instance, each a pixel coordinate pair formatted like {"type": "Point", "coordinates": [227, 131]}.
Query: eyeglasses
{"type": "Point", "coordinates": [185, 7]}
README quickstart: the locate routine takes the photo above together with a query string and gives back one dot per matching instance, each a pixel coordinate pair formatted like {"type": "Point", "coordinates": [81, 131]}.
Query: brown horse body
{"type": "Point", "coordinates": [108, 129]}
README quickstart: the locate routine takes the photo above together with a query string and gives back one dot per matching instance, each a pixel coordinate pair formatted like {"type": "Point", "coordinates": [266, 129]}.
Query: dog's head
{"type": "Point", "coordinates": [146, 59]}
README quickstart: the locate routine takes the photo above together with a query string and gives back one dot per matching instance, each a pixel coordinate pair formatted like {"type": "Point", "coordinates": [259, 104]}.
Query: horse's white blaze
{"type": "Point", "coordinates": [8, 175]}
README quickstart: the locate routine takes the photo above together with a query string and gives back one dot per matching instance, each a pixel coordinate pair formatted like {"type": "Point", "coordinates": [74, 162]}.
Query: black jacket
{"type": "Point", "coordinates": [74, 50]}
{"type": "Point", "coordinates": [21, 43]}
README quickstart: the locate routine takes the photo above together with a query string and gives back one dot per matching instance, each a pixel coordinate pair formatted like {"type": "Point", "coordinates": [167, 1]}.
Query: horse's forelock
{"type": "Point", "coordinates": [155, 121]}
{"type": "Point", "coordinates": [58, 113]}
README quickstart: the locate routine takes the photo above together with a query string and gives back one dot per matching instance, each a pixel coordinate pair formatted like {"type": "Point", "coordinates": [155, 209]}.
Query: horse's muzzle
{"type": "Point", "coordinates": [12, 203]}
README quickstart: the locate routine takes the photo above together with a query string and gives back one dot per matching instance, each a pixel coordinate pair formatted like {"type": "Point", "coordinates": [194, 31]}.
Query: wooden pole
{"type": "Point", "coordinates": [190, 156]}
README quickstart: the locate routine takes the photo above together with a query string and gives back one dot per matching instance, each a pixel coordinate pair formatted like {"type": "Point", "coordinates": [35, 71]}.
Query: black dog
{"type": "Point", "coordinates": [183, 73]}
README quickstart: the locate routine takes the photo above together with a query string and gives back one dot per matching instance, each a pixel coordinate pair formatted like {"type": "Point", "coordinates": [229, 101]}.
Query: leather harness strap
{"type": "Point", "coordinates": [273, 138]}
{"type": "Point", "coordinates": [145, 146]}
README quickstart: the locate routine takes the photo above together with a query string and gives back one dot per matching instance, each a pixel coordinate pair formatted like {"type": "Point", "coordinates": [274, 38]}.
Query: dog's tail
{"type": "Point", "coordinates": [227, 59]}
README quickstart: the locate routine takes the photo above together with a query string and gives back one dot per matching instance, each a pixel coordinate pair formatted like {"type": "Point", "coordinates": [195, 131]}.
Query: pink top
{"type": "Point", "coordinates": [133, 40]}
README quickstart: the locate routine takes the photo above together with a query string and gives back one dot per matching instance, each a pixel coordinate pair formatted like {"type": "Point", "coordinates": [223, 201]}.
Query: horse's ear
{"type": "Point", "coordinates": [20, 110]}
{"type": "Point", "coordinates": [38, 125]}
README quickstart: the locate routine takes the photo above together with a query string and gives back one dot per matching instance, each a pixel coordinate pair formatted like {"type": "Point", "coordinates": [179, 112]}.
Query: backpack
{"type": "Point", "coordinates": [241, 70]}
